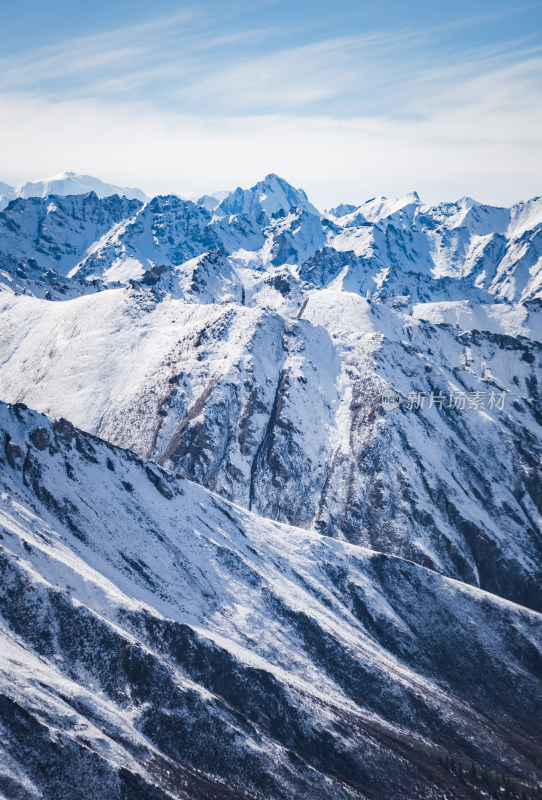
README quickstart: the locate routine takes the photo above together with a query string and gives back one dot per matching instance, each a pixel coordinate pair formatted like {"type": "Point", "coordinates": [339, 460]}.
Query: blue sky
{"type": "Point", "coordinates": [348, 99]}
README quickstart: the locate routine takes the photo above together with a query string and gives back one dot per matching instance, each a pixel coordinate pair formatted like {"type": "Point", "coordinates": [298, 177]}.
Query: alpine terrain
{"type": "Point", "coordinates": [270, 496]}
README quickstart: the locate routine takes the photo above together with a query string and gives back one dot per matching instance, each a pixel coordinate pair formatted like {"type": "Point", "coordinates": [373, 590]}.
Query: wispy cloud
{"type": "Point", "coordinates": [191, 101]}
{"type": "Point", "coordinates": [474, 146]}
{"type": "Point", "coordinates": [192, 63]}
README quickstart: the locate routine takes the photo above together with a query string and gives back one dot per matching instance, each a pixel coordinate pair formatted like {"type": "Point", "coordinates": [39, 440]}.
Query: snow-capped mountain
{"type": "Point", "coordinates": [250, 345]}
{"type": "Point", "coordinates": [158, 642]}
{"type": "Point", "coordinates": [381, 208]}
{"type": "Point", "coordinates": [452, 251]}
{"type": "Point", "coordinates": [270, 196]}
{"type": "Point", "coordinates": [66, 183]}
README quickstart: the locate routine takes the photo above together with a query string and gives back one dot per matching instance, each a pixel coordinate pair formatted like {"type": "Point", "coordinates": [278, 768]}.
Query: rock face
{"type": "Point", "coordinates": [158, 642]}
{"type": "Point", "coordinates": [346, 628]}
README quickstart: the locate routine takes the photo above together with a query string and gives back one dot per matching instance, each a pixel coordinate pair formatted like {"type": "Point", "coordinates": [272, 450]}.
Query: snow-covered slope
{"type": "Point", "coordinates": [66, 183]}
{"type": "Point", "coordinates": [158, 642]}
{"type": "Point", "coordinates": [378, 209]}
{"type": "Point", "coordinates": [518, 319]}
{"type": "Point", "coordinates": [282, 414]}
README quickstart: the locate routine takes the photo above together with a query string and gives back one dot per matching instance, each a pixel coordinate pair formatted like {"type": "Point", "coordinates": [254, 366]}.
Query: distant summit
{"type": "Point", "coordinates": [67, 183]}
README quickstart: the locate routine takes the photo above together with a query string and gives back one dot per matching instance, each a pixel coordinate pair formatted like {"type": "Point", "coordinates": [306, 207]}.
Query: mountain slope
{"type": "Point", "coordinates": [158, 642]}
{"type": "Point", "coordinates": [56, 233]}
{"type": "Point", "coordinates": [329, 609]}
{"type": "Point", "coordinates": [282, 414]}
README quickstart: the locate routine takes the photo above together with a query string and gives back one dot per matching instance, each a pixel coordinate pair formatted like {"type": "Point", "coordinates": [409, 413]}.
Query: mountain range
{"type": "Point", "coordinates": [231, 569]}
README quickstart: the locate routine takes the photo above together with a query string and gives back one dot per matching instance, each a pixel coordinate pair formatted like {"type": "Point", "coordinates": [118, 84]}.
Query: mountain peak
{"type": "Point", "coordinates": [271, 195]}
{"type": "Point", "coordinates": [379, 208]}
{"type": "Point", "coordinates": [67, 182]}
